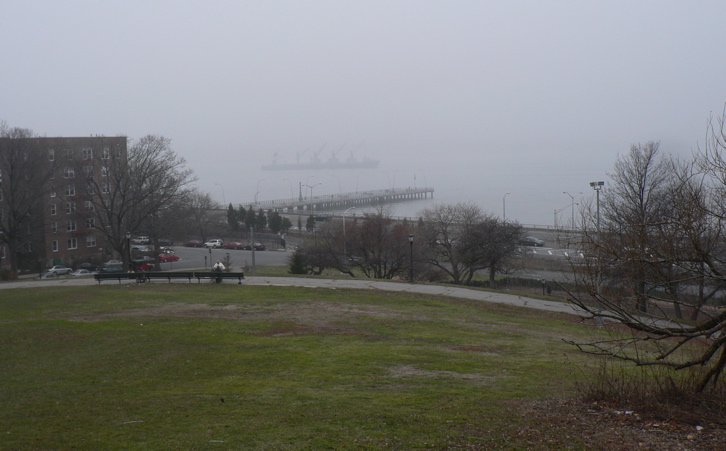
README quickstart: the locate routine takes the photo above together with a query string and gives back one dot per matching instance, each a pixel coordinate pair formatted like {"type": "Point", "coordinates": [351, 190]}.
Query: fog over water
{"type": "Point", "coordinates": [473, 98]}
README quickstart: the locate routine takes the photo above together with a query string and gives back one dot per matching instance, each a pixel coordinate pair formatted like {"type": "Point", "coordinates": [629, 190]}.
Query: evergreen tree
{"type": "Point", "coordinates": [275, 222]}
{"type": "Point", "coordinates": [297, 263]}
{"type": "Point", "coordinates": [232, 218]}
{"type": "Point", "coordinates": [250, 218]}
{"type": "Point", "coordinates": [261, 222]}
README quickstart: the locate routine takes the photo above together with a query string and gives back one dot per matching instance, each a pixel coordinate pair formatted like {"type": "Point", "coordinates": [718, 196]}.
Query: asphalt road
{"type": "Point", "coordinates": [196, 257]}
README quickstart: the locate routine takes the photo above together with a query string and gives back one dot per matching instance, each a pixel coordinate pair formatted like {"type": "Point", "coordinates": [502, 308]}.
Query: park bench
{"type": "Point", "coordinates": [170, 275]}
{"type": "Point", "coordinates": [139, 277]}
{"type": "Point", "coordinates": [219, 276]}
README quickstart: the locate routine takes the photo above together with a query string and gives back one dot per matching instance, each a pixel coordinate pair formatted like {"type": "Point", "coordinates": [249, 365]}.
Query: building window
{"type": "Point", "coordinates": [69, 154]}
{"type": "Point", "coordinates": [70, 207]}
{"type": "Point", "coordinates": [87, 154]}
{"type": "Point", "coordinates": [90, 189]}
{"type": "Point", "coordinates": [105, 188]}
{"type": "Point", "coordinates": [90, 241]}
{"type": "Point", "coordinates": [51, 155]}
{"type": "Point", "coordinates": [90, 223]}
{"type": "Point", "coordinates": [90, 206]}
{"type": "Point", "coordinates": [54, 227]}
{"type": "Point", "coordinates": [87, 170]}
{"type": "Point", "coordinates": [72, 243]}
{"type": "Point", "coordinates": [69, 173]}
{"type": "Point", "coordinates": [52, 209]}
{"type": "Point", "coordinates": [105, 153]}
{"type": "Point", "coordinates": [104, 171]}
{"type": "Point", "coordinates": [55, 245]}
{"type": "Point", "coordinates": [52, 191]}
{"type": "Point", "coordinates": [71, 226]}
{"type": "Point", "coordinates": [70, 190]}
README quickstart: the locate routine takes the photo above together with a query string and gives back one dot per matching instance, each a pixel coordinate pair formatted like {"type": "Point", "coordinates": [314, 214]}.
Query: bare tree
{"type": "Point", "coordinates": [129, 191]}
{"type": "Point", "coordinates": [660, 251]}
{"type": "Point", "coordinates": [378, 245]}
{"type": "Point", "coordinates": [200, 207]}
{"type": "Point", "coordinates": [444, 226]}
{"type": "Point", "coordinates": [24, 173]}
{"type": "Point", "coordinates": [461, 240]}
{"type": "Point", "coordinates": [489, 244]}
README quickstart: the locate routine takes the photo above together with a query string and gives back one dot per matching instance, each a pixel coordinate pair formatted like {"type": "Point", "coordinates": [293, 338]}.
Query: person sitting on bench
{"type": "Point", "coordinates": [218, 268]}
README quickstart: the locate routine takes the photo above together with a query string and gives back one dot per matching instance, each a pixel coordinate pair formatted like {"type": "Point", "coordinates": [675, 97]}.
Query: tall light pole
{"type": "Point", "coordinates": [224, 201]}
{"type": "Point", "coordinates": [312, 202]}
{"type": "Point", "coordinates": [128, 250]}
{"type": "Point", "coordinates": [254, 224]}
{"type": "Point", "coordinates": [572, 198]}
{"type": "Point", "coordinates": [410, 267]}
{"type": "Point", "coordinates": [257, 190]}
{"type": "Point", "coordinates": [504, 208]}
{"type": "Point", "coordinates": [345, 251]}
{"type": "Point", "coordinates": [292, 195]}
{"type": "Point", "coordinates": [597, 186]}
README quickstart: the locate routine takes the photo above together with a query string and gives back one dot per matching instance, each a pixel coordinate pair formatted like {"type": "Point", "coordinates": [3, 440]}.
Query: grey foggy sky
{"type": "Point", "coordinates": [477, 98]}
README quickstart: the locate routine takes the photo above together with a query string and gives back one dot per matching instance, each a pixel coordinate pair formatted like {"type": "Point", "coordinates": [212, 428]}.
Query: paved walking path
{"type": "Point", "coordinates": [459, 292]}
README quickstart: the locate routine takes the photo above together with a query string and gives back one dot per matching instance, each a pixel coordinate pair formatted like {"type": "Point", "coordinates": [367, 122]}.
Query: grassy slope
{"type": "Point", "coordinates": [204, 366]}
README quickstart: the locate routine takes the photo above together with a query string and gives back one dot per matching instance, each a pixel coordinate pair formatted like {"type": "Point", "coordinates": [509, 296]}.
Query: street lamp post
{"type": "Point", "coordinates": [224, 200]}
{"type": "Point", "coordinates": [572, 198]}
{"type": "Point", "coordinates": [128, 250]}
{"type": "Point", "coordinates": [345, 252]}
{"type": "Point", "coordinates": [410, 267]}
{"type": "Point", "coordinates": [597, 186]}
{"type": "Point", "coordinates": [504, 208]}
{"type": "Point", "coordinates": [252, 229]}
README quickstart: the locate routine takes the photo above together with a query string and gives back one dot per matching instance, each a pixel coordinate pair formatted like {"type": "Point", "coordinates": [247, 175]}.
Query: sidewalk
{"type": "Point", "coordinates": [438, 290]}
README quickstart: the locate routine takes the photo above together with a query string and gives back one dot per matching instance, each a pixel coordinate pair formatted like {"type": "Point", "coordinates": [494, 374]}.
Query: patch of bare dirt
{"type": "Point", "coordinates": [556, 424]}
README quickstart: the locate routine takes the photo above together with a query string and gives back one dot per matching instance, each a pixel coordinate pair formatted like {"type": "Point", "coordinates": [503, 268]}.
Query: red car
{"type": "Point", "coordinates": [258, 247]}
{"type": "Point", "coordinates": [143, 267]}
{"type": "Point", "coordinates": [165, 258]}
{"type": "Point", "coordinates": [236, 245]}
{"type": "Point", "coordinates": [194, 243]}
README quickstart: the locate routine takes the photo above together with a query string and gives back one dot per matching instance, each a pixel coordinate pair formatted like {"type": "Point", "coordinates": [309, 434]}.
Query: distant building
{"type": "Point", "coordinates": [63, 177]}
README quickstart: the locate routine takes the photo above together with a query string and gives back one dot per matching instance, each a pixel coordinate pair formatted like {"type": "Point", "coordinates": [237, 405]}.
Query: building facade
{"type": "Point", "coordinates": [50, 190]}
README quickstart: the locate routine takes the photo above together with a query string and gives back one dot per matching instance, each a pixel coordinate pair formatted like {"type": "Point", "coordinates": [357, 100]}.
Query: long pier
{"type": "Point", "coordinates": [328, 202]}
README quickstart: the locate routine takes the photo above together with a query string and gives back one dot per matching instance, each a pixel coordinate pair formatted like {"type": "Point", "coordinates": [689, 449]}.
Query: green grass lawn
{"type": "Point", "coordinates": [189, 366]}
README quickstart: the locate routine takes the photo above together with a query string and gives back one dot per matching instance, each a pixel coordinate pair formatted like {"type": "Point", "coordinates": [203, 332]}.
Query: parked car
{"type": "Point", "coordinates": [143, 267]}
{"type": "Point", "coordinates": [88, 266]}
{"type": "Point", "coordinates": [113, 263]}
{"type": "Point", "coordinates": [164, 242]}
{"type": "Point", "coordinates": [532, 241]}
{"type": "Point", "coordinates": [214, 243]}
{"type": "Point", "coordinates": [81, 272]}
{"type": "Point", "coordinates": [165, 258]}
{"type": "Point", "coordinates": [194, 243]}
{"type": "Point", "coordinates": [113, 268]}
{"type": "Point", "coordinates": [258, 247]}
{"type": "Point", "coordinates": [236, 245]}
{"type": "Point", "coordinates": [141, 248]}
{"type": "Point", "coordinates": [140, 240]}
{"type": "Point", "coordinates": [59, 270]}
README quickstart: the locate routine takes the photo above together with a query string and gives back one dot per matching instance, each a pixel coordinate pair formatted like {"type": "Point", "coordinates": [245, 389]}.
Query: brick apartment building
{"type": "Point", "coordinates": [62, 226]}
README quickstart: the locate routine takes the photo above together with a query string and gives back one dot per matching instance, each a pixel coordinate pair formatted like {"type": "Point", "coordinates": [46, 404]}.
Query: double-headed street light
{"type": "Point", "coordinates": [572, 198]}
